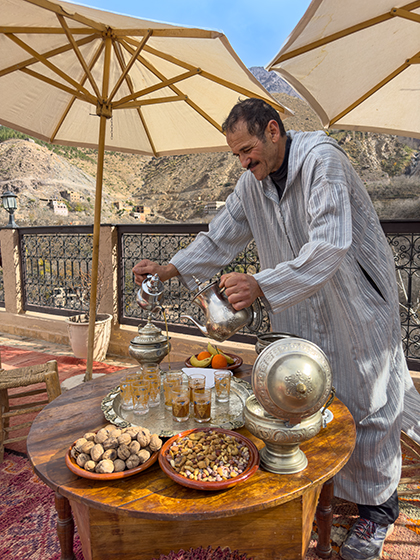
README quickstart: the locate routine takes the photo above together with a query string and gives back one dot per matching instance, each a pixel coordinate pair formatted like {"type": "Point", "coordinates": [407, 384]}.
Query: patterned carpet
{"type": "Point", "coordinates": [28, 522]}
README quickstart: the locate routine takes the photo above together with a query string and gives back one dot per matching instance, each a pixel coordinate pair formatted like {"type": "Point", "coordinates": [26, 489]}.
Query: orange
{"type": "Point", "coordinates": [203, 355]}
{"type": "Point", "coordinates": [219, 361]}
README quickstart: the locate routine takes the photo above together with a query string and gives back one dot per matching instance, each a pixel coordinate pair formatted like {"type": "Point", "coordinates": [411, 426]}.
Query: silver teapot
{"type": "Point", "coordinates": [221, 320]}
{"type": "Point", "coordinates": [150, 294]}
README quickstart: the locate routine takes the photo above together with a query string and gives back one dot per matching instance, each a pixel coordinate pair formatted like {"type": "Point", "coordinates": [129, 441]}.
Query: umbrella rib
{"type": "Point", "coordinates": [56, 8]}
{"type": "Point", "coordinates": [183, 32]}
{"type": "Point", "coordinates": [57, 85]}
{"type": "Point", "coordinates": [77, 52]}
{"type": "Point", "coordinates": [369, 93]}
{"type": "Point", "coordinates": [70, 104]}
{"type": "Point", "coordinates": [129, 65]}
{"type": "Point", "coordinates": [51, 66]}
{"type": "Point", "coordinates": [44, 30]}
{"type": "Point", "coordinates": [153, 101]}
{"type": "Point", "coordinates": [48, 54]}
{"type": "Point", "coordinates": [151, 89]}
{"type": "Point", "coordinates": [120, 58]}
{"type": "Point", "coordinates": [344, 33]}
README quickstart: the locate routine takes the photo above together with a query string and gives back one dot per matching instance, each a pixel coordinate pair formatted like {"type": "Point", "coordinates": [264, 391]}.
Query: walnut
{"type": "Point", "coordinates": [123, 452]}
{"type": "Point", "coordinates": [110, 454]}
{"type": "Point", "coordinates": [105, 467]}
{"type": "Point", "coordinates": [119, 465]}
{"type": "Point", "coordinates": [132, 432]}
{"type": "Point", "coordinates": [79, 444]}
{"type": "Point", "coordinates": [124, 439]}
{"type": "Point", "coordinates": [89, 436]}
{"type": "Point", "coordinates": [90, 465]}
{"type": "Point", "coordinates": [143, 455]}
{"type": "Point", "coordinates": [86, 447]}
{"type": "Point", "coordinates": [132, 462]}
{"type": "Point", "coordinates": [110, 443]}
{"type": "Point", "coordinates": [74, 453]}
{"type": "Point", "coordinates": [134, 447]}
{"type": "Point", "coordinates": [82, 458]}
{"type": "Point", "coordinates": [143, 437]}
{"type": "Point", "coordinates": [101, 436]}
{"type": "Point", "coordinates": [96, 452]}
{"type": "Point", "coordinates": [155, 443]}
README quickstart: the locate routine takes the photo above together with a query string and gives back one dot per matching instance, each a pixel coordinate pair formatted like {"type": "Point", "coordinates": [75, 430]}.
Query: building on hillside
{"type": "Point", "coordinates": [213, 207]}
{"type": "Point", "coordinates": [59, 207]}
{"type": "Point", "coordinates": [141, 212]}
{"type": "Point", "coordinates": [72, 196]}
{"type": "Point", "coordinates": [118, 205]}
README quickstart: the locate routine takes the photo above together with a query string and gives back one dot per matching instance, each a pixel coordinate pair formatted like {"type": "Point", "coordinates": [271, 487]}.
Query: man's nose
{"type": "Point", "coordinates": [245, 160]}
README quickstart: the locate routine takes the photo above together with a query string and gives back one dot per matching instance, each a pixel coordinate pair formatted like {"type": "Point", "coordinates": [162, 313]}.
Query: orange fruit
{"type": "Point", "coordinates": [203, 355]}
{"type": "Point", "coordinates": [219, 361]}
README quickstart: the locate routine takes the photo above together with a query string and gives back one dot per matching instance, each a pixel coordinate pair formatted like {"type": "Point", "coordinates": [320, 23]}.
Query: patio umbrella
{"type": "Point", "coordinates": [357, 64]}
{"type": "Point", "coordinates": [66, 69]}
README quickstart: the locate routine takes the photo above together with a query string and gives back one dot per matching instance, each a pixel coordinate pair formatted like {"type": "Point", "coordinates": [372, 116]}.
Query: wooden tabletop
{"type": "Point", "coordinates": [151, 494]}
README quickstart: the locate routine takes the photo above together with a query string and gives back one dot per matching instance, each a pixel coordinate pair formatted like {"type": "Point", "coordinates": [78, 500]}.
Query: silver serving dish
{"type": "Point", "coordinates": [159, 419]}
{"type": "Point", "coordinates": [292, 381]}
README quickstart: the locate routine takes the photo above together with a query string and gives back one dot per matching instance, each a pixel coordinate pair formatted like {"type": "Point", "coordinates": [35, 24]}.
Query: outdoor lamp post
{"type": "Point", "coordinates": [9, 204]}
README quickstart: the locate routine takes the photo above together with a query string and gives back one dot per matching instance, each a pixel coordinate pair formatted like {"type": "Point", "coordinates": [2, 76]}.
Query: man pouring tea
{"type": "Point", "coordinates": [327, 275]}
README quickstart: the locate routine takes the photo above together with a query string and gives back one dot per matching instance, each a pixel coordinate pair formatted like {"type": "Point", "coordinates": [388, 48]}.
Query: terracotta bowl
{"type": "Point", "coordinates": [252, 467]}
{"type": "Point", "coordinates": [237, 363]}
{"type": "Point", "coordinates": [74, 467]}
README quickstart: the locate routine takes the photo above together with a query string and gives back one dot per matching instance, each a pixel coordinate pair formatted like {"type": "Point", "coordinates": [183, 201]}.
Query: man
{"type": "Point", "coordinates": [327, 275]}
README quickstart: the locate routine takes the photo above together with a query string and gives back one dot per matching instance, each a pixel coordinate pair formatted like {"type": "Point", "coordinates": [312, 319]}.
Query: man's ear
{"type": "Point", "coordinates": [273, 131]}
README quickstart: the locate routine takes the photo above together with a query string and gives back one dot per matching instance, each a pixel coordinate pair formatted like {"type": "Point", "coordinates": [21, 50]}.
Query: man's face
{"type": "Point", "coordinates": [260, 157]}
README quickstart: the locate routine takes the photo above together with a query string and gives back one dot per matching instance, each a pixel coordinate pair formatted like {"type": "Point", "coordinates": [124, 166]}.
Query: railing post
{"type": "Point", "coordinates": [12, 270]}
{"type": "Point", "coordinates": [108, 263]}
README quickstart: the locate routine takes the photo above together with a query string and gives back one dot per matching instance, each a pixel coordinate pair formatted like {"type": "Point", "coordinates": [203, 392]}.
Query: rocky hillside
{"type": "Point", "coordinates": [177, 188]}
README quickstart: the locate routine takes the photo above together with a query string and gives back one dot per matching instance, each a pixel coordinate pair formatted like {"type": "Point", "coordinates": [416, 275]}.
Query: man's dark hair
{"type": "Point", "coordinates": [256, 113]}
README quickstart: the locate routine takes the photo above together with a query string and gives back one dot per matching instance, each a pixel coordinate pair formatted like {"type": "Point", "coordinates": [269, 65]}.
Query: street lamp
{"type": "Point", "coordinates": [9, 204]}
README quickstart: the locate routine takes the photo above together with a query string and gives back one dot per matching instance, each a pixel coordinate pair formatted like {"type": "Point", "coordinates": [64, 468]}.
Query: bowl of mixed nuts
{"type": "Point", "coordinates": [112, 453]}
{"type": "Point", "coordinates": [209, 458]}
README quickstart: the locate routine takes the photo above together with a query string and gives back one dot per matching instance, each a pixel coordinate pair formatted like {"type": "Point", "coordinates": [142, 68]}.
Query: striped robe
{"type": "Point", "coordinates": [328, 275]}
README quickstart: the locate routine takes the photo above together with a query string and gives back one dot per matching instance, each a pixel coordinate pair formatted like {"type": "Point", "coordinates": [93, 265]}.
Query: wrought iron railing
{"type": "Point", "coordinates": [56, 265]}
{"type": "Point", "coordinates": [1, 287]}
{"type": "Point", "coordinates": [56, 261]}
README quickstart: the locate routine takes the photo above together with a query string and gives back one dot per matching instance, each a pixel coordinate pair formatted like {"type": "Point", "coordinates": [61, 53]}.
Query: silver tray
{"type": "Point", "coordinates": [159, 419]}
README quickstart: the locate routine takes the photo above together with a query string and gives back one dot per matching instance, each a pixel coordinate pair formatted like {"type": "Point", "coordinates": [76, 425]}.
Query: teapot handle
{"type": "Point", "coordinates": [257, 316]}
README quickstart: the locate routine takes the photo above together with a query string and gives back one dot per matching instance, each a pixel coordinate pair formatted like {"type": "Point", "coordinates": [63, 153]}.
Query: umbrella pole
{"type": "Point", "coordinates": [95, 252]}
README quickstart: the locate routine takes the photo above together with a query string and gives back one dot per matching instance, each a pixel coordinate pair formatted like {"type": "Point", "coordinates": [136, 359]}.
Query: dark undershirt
{"type": "Point", "coordinates": [279, 177]}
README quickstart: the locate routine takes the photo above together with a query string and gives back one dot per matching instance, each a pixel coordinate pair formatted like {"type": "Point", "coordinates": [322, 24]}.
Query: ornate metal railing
{"type": "Point", "coordinates": [1, 287]}
{"type": "Point", "coordinates": [57, 260]}
{"type": "Point", "coordinates": [56, 265]}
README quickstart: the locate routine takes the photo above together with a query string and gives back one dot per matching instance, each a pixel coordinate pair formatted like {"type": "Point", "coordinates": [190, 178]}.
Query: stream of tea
{"type": "Point", "coordinates": [167, 338]}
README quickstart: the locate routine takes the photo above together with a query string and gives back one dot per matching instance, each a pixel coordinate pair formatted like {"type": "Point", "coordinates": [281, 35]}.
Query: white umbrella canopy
{"type": "Point", "coordinates": [165, 89]}
{"type": "Point", "coordinates": [357, 64]}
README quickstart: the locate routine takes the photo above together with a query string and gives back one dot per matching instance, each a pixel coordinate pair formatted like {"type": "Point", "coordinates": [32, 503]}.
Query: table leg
{"type": "Point", "coordinates": [324, 517]}
{"type": "Point", "coordinates": [65, 527]}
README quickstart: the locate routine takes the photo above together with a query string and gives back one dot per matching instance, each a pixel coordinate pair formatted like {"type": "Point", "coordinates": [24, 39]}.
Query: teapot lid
{"type": "Point", "coordinates": [149, 334]}
{"type": "Point", "coordinates": [292, 379]}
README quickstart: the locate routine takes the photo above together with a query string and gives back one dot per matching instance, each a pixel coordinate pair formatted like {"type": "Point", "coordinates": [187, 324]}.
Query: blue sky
{"type": "Point", "coordinates": [255, 29]}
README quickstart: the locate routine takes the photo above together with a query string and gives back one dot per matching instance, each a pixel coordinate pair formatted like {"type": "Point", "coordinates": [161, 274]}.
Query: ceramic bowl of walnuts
{"type": "Point", "coordinates": [113, 453]}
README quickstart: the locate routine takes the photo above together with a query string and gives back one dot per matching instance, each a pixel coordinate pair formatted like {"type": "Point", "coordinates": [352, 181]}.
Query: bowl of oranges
{"type": "Point", "coordinates": [214, 358]}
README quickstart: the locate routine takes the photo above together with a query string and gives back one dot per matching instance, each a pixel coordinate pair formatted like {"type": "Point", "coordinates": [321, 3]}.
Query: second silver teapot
{"type": "Point", "coordinates": [221, 320]}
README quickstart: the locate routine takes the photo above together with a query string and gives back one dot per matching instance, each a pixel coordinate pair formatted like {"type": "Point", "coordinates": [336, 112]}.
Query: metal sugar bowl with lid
{"type": "Point", "coordinates": [292, 383]}
{"type": "Point", "coordinates": [151, 345]}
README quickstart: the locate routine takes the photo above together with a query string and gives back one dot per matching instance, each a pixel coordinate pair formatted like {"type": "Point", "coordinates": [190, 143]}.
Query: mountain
{"type": "Point", "coordinates": [272, 82]}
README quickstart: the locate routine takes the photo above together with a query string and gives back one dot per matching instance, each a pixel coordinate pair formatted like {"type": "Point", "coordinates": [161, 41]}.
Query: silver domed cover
{"type": "Point", "coordinates": [292, 379]}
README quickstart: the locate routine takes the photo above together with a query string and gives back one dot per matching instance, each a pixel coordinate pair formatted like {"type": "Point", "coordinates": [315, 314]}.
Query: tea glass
{"type": "Point", "coordinates": [141, 391]}
{"type": "Point", "coordinates": [196, 381]}
{"type": "Point", "coordinates": [202, 405]}
{"type": "Point", "coordinates": [153, 376]}
{"type": "Point", "coordinates": [222, 380]}
{"type": "Point", "coordinates": [181, 404]}
{"type": "Point", "coordinates": [171, 381]}
{"type": "Point", "coordinates": [126, 387]}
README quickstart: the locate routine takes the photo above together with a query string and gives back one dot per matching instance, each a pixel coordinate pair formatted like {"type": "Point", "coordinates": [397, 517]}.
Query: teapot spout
{"type": "Point", "coordinates": [201, 327]}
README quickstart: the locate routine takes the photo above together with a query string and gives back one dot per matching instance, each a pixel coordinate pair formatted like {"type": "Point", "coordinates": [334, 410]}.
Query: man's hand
{"type": "Point", "coordinates": [146, 267]}
{"type": "Point", "coordinates": [241, 289]}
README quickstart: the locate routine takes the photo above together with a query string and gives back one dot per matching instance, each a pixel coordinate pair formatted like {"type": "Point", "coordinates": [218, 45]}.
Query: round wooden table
{"type": "Point", "coordinates": [268, 517]}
